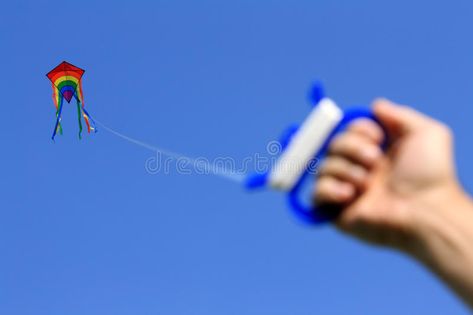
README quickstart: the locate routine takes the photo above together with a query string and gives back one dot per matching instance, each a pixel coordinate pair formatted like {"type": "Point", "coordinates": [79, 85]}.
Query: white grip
{"type": "Point", "coordinates": [307, 141]}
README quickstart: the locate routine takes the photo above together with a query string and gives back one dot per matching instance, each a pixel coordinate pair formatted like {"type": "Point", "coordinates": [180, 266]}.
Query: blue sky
{"type": "Point", "coordinates": [84, 229]}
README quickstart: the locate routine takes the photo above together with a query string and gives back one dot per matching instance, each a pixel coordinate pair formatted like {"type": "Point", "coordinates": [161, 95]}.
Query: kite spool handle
{"type": "Point", "coordinates": [303, 207]}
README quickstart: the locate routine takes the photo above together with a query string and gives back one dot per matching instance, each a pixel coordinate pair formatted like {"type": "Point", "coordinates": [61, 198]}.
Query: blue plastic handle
{"type": "Point", "coordinates": [306, 211]}
{"type": "Point", "coordinates": [309, 212]}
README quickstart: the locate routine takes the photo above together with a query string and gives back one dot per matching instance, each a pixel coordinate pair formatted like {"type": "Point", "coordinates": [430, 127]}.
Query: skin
{"type": "Point", "coordinates": [408, 197]}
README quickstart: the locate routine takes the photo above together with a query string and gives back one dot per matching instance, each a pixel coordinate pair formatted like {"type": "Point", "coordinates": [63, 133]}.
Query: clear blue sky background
{"type": "Point", "coordinates": [84, 229]}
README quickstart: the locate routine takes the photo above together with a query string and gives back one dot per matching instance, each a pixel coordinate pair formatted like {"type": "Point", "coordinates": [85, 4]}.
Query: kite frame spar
{"type": "Point", "coordinates": [66, 82]}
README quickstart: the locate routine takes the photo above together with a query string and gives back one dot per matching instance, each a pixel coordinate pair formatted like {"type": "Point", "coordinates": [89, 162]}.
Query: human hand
{"type": "Point", "coordinates": [383, 195]}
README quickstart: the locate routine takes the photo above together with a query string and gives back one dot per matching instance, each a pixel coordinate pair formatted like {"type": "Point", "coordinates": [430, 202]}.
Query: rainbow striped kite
{"type": "Point", "coordinates": [67, 84]}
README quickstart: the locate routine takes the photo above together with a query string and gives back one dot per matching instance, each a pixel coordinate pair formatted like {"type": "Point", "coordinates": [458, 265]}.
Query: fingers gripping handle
{"type": "Point", "coordinates": [303, 147]}
{"type": "Point", "coordinates": [303, 207]}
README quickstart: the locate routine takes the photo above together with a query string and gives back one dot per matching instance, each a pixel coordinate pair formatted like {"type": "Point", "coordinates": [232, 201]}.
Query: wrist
{"type": "Point", "coordinates": [438, 217]}
{"type": "Point", "coordinates": [443, 238]}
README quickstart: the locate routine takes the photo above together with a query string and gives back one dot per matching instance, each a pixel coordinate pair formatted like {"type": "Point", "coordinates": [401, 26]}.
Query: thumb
{"type": "Point", "coordinates": [398, 119]}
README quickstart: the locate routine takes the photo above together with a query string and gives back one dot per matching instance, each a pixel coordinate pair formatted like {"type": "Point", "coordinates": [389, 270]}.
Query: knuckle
{"type": "Point", "coordinates": [368, 129]}
{"type": "Point", "coordinates": [362, 123]}
{"type": "Point", "coordinates": [445, 130]}
{"type": "Point", "coordinates": [357, 125]}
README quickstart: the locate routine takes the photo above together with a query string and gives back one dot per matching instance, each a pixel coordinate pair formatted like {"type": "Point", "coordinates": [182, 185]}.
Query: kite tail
{"type": "Point", "coordinates": [58, 120]}
{"type": "Point", "coordinates": [80, 120]}
{"type": "Point", "coordinates": [81, 110]}
{"type": "Point", "coordinates": [56, 99]}
{"type": "Point", "coordinates": [88, 120]}
{"type": "Point", "coordinates": [84, 112]}
{"type": "Point", "coordinates": [59, 125]}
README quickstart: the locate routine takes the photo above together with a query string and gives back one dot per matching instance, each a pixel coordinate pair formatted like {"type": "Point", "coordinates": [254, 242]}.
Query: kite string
{"type": "Point", "coordinates": [196, 164]}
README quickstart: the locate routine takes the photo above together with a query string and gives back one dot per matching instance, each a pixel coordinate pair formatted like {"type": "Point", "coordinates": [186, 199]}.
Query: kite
{"type": "Point", "coordinates": [67, 84]}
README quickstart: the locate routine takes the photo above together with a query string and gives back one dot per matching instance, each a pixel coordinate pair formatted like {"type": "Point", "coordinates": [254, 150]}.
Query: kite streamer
{"type": "Point", "coordinates": [196, 164]}
{"type": "Point", "coordinates": [67, 84]}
